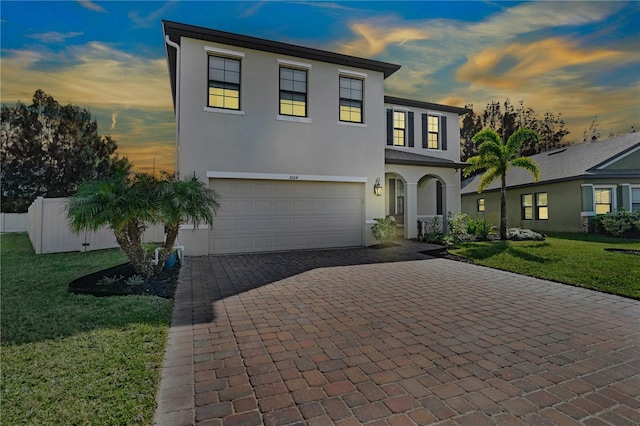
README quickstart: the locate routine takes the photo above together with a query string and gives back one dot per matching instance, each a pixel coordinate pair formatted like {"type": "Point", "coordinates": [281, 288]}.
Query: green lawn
{"type": "Point", "coordinates": [577, 259]}
{"type": "Point", "coordinates": [69, 359]}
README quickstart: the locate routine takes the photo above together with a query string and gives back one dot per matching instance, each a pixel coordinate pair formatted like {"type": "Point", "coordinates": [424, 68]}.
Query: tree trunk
{"type": "Point", "coordinates": [129, 239]}
{"type": "Point", "coordinates": [172, 234]}
{"type": "Point", "coordinates": [503, 209]}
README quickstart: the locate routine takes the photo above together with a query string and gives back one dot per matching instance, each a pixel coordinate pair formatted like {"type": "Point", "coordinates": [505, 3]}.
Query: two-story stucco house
{"type": "Point", "coordinates": [302, 144]}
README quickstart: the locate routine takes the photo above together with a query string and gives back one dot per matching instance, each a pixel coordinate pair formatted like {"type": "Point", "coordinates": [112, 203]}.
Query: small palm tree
{"type": "Point", "coordinates": [496, 157]}
{"type": "Point", "coordinates": [127, 204]}
{"type": "Point", "coordinates": [183, 201]}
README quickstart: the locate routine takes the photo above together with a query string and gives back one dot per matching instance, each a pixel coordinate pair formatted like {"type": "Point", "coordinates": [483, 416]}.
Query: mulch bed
{"type": "Point", "coordinates": [162, 285]}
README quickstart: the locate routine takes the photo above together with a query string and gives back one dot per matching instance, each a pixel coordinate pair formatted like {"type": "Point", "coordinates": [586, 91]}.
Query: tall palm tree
{"type": "Point", "coordinates": [496, 157]}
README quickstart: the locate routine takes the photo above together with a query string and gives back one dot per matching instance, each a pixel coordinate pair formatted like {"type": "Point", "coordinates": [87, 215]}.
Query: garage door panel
{"type": "Point", "coordinates": [262, 215]}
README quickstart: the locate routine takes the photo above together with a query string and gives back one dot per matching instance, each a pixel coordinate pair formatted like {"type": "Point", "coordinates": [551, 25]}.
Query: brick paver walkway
{"type": "Point", "coordinates": [295, 338]}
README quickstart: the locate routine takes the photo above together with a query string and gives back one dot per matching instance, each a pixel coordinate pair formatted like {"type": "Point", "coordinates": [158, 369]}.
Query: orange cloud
{"type": "Point", "coordinates": [514, 66]}
{"type": "Point", "coordinates": [375, 39]}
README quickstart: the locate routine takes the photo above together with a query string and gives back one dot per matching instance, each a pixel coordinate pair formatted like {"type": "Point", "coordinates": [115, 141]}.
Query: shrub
{"type": "Point", "coordinates": [518, 234]}
{"type": "Point", "coordinates": [458, 223]}
{"type": "Point", "coordinates": [384, 231]}
{"type": "Point", "coordinates": [479, 228]}
{"type": "Point", "coordinates": [619, 223]}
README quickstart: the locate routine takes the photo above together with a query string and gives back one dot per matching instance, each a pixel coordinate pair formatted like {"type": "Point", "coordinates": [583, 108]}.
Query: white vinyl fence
{"type": "Point", "coordinates": [13, 222]}
{"type": "Point", "coordinates": [49, 230]}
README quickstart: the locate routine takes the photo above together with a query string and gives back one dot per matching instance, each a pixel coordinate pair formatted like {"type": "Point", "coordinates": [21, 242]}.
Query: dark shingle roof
{"type": "Point", "coordinates": [425, 105]}
{"type": "Point", "coordinates": [567, 163]}
{"type": "Point", "coordinates": [395, 156]}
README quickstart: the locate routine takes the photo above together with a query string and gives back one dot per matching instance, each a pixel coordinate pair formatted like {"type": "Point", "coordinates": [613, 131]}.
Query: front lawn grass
{"type": "Point", "coordinates": [577, 259]}
{"type": "Point", "coordinates": [69, 359]}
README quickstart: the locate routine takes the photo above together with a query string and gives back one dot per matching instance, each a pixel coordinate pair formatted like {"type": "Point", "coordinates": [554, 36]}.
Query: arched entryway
{"type": "Point", "coordinates": [432, 201]}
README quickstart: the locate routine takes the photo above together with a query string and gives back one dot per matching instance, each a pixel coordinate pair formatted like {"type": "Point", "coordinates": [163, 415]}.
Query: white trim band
{"type": "Point", "coordinates": [290, 176]}
{"type": "Point", "coordinates": [225, 52]}
{"type": "Point", "coordinates": [294, 64]}
{"type": "Point", "coordinates": [352, 73]}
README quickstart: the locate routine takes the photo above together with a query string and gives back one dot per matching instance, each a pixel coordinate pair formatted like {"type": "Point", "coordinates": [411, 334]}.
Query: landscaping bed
{"type": "Point", "coordinates": [120, 281]}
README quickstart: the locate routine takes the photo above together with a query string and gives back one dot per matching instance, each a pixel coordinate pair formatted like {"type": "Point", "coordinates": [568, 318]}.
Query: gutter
{"type": "Point", "coordinates": [177, 104]}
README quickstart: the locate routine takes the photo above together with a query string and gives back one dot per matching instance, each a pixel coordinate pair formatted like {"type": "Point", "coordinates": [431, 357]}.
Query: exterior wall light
{"type": "Point", "coordinates": [377, 188]}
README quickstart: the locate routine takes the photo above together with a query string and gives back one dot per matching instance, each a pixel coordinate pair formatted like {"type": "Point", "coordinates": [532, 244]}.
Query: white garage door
{"type": "Point", "coordinates": [272, 215]}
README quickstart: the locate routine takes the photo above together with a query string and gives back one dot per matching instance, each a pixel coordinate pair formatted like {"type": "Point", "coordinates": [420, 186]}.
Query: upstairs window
{"type": "Point", "coordinates": [542, 206]}
{"type": "Point", "coordinates": [603, 200]}
{"type": "Point", "coordinates": [399, 126]}
{"type": "Point", "coordinates": [433, 132]}
{"type": "Point", "coordinates": [351, 96]}
{"type": "Point", "coordinates": [224, 83]}
{"type": "Point", "coordinates": [293, 92]}
{"type": "Point", "coordinates": [527, 206]}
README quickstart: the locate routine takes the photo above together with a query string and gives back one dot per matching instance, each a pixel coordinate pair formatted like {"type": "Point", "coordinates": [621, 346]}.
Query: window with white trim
{"type": "Point", "coordinates": [224, 83]}
{"type": "Point", "coordinates": [635, 199]}
{"type": "Point", "coordinates": [351, 97]}
{"type": "Point", "coordinates": [293, 92]}
{"type": "Point", "coordinates": [399, 128]}
{"type": "Point", "coordinates": [603, 198]}
{"type": "Point", "coordinates": [433, 132]}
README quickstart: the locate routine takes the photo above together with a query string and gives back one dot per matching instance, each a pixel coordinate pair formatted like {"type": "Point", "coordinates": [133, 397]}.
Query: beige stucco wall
{"type": "Point", "coordinates": [257, 142]}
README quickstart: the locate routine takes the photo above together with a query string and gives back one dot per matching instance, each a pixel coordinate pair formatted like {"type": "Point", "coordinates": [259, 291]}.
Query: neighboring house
{"type": "Point", "coordinates": [296, 139]}
{"type": "Point", "coordinates": [576, 183]}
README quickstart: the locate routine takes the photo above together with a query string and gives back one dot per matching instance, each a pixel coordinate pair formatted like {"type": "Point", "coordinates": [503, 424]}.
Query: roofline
{"type": "Point", "coordinates": [617, 157]}
{"type": "Point", "coordinates": [451, 165]}
{"type": "Point", "coordinates": [176, 30]}
{"type": "Point", "coordinates": [589, 176]}
{"type": "Point", "coordinates": [425, 105]}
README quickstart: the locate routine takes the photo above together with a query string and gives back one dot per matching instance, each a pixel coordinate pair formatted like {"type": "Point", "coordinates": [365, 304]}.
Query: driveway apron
{"type": "Point", "coordinates": [393, 337]}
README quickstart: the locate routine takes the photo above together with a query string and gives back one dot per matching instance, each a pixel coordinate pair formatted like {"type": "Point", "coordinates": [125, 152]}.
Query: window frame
{"type": "Point", "coordinates": [224, 84]}
{"type": "Point", "coordinates": [293, 92]}
{"type": "Point", "coordinates": [351, 101]}
{"type": "Point", "coordinates": [526, 210]}
{"type": "Point", "coordinates": [481, 205]}
{"type": "Point", "coordinates": [612, 198]}
{"type": "Point", "coordinates": [539, 207]}
{"type": "Point", "coordinates": [437, 133]}
{"type": "Point", "coordinates": [397, 130]}
{"type": "Point", "coordinates": [631, 189]}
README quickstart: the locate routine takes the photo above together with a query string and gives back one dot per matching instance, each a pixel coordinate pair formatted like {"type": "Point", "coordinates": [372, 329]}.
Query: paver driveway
{"type": "Point", "coordinates": [387, 338]}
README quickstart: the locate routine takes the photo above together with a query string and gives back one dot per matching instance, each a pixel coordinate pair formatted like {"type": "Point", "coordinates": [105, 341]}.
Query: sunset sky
{"type": "Point", "coordinates": [580, 59]}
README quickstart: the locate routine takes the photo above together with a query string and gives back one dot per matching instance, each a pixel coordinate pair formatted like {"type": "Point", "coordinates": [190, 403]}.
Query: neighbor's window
{"type": "Point", "coordinates": [351, 91]}
{"type": "Point", "coordinates": [399, 128]}
{"type": "Point", "coordinates": [603, 200]}
{"type": "Point", "coordinates": [481, 204]}
{"type": "Point", "coordinates": [527, 206]}
{"type": "Point", "coordinates": [224, 82]}
{"type": "Point", "coordinates": [293, 92]}
{"type": "Point", "coordinates": [635, 199]}
{"type": "Point", "coordinates": [433, 132]}
{"type": "Point", "coordinates": [542, 206]}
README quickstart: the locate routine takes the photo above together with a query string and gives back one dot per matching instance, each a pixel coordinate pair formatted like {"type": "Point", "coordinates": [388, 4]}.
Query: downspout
{"type": "Point", "coordinates": [178, 66]}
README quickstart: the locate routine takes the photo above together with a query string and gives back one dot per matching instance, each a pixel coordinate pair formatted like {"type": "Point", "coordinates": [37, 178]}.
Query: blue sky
{"type": "Point", "coordinates": [577, 58]}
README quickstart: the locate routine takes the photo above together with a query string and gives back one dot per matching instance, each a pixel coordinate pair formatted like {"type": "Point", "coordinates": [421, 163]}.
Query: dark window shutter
{"type": "Point", "coordinates": [424, 130]}
{"type": "Point", "coordinates": [443, 125]}
{"type": "Point", "coordinates": [389, 127]}
{"type": "Point", "coordinates": [411, 129]}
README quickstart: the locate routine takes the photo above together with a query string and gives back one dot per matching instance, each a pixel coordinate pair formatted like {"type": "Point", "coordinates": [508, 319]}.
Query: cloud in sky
{"type": "Point", "coordinates": [54, 36]}
{"type": "Point", "coordinates": [513, 53]}
{"type": "Point", "coordinates": [152, 18]}
{"type": "Point", "coordinates": [92, 6]}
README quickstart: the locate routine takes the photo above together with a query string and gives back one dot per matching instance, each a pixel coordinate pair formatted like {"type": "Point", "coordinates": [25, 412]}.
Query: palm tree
{"type": "Point", "coordinates": [127, 204]}
{"type": "Point", "coordinates": [496, 157]}
{"type": "Point", "coordinates": [183, 201]}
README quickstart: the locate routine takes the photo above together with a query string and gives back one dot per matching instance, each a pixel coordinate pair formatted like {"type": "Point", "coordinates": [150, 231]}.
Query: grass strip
{"type": "Point", "coordinates": [69, 359]}
{"type": "Point", "coordinates": [577, 259]}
